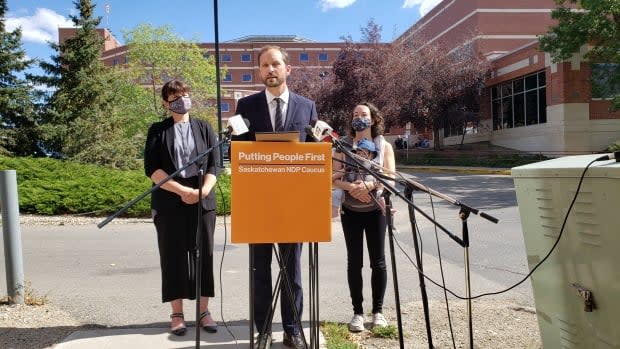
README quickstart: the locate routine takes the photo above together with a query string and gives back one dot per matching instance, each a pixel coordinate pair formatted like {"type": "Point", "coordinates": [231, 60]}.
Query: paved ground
{"type": "Point", "coordinates": [110, 277]}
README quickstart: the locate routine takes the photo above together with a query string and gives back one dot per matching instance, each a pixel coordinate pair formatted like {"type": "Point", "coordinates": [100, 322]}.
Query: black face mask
{"type": "Point", "coordinates": [180, 105]}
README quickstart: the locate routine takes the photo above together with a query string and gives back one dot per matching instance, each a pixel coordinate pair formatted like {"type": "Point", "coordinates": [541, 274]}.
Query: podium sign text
{"type": "Point", "coordinates": [281, 192]}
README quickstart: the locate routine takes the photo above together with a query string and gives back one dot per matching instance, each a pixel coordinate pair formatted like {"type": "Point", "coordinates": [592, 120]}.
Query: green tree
{"type": "Point", "coordinates": [80, 87]}
{"type": "Point", "coordinates": [592, 22]}
{"type": "Point", "coordinates": [18, 112]}
{"type": "Point", "coordinates": [157, 55]}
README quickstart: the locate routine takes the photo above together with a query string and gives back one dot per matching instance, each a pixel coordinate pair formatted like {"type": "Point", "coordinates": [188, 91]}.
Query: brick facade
{"type": "Point", "coordinates": [503, 31]}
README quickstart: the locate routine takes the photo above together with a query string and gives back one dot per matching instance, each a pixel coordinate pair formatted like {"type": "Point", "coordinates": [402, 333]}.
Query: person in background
{"type": "Point", "coordinates": [170, 144]}
{"type": "Point", "coordinates": [399, 142]}
{"type": "Point", "coordinates": [276, 109]}
{"type": "Point", "coordinates": [362, 214]}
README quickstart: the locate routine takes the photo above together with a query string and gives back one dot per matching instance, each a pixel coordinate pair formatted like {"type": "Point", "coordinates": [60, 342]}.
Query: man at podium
{"type": "Point", "coordinates": [276, 109]}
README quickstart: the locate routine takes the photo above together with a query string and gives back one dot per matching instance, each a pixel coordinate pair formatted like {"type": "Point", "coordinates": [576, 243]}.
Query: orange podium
{"type": "Point", "coordinates": [281, 192]}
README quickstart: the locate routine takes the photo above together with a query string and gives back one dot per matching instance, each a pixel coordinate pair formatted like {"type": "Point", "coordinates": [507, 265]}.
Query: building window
{"type": "Point", "coordinates": [303, 57]}
{"type": "Point", "coordinates": [519, 102]}
{"type": "Point", "coordinates": [225, 107]}
{"type": "Point", "coordinates": [126, 59]}
{"type": "Point", "coordinates": [604, 85]}
{"type": "Point", "coordinates": [115, 61]}
{"type": "Point", "coordinates": [246, 77]}
{"type": "Point", "coordinates": [206, 55]}
{"type": "Point", "coordinates": [228, 77]}
{"type": "Point", "coordinates": [226, 57]}
{"type": "Point", "coordinates": [246, 57]}
{"type": "Point", "coordinates": [323, 57]}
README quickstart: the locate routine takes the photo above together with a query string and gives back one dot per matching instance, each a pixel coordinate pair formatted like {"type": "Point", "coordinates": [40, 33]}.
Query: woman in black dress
{"type": "Point", "coordinates": [170, 145]}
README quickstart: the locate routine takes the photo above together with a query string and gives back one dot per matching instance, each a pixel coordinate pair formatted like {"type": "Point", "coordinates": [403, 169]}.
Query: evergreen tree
{"type": "Point", "coordinates": [18, 126]}
{"type": "Point", "coordinates": [78, 78]}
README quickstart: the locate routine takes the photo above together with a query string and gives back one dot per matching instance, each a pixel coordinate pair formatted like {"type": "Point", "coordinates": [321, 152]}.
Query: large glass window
{"type": "Point", "coordinates": [520, 102]}
{"type": "Point", "coordinates": [519, 109]}
{"type": "Point", "coordinates": [228, 77]}
{"type": "Point", "coordinates": [323, 57]}
{"type": "Point", "coordinates": [246, 57]}
{"type": "Point", "coordinates": [246, 77]}
{"type": "Point", "coordinates": [303, 57]}
{"type": "Point", "coordinates": [226, 57]}
{"type": "Point", "coordinates": [225, 107]}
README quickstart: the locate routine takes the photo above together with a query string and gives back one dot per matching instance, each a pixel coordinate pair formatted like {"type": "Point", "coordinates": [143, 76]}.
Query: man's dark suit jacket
{"type": "Point", "coordinates": [159, 154]}
{"type": "Point", "coordinates": [300, 113]}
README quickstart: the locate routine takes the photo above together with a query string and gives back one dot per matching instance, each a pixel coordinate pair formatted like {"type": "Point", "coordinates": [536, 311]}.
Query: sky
{"type": "Point", "coordinates": [318, 20]}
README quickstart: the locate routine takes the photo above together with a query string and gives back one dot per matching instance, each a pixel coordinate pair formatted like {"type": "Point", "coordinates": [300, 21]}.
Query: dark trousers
{"type": "Point", "coordinates": [263, 288]}
{"type": "Point", "coordinates": [354, 224]}
{"type": "Point", "coordinates": [176, 237]}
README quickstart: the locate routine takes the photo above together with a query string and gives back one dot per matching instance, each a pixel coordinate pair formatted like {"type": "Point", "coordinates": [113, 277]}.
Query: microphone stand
{"type": "Point", "coordinates": [464, 242]}
{"type": "Point", "coordinates": [464, 213]}
{"type": "Point", "coordinates": [418, 258]}
{"type": "Point", "coordinates": [389, 218]}
{"type": "Point", "coordinates": [199, 236]}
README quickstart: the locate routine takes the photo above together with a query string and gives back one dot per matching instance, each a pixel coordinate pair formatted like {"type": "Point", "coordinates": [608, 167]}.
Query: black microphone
{"type": "Point", "coordinates": [611, 156]}
{"type": "Point", "coordinates": [309, 130]}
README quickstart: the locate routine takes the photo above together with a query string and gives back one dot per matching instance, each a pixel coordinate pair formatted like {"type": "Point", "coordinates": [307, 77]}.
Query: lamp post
{"type": "Point", "coordinates": [217, 78]}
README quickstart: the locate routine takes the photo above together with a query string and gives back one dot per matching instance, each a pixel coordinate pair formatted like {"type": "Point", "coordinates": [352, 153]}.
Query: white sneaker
{"type": "Point", "coordinates": [378, 320]}
{"type": "Point", "coordinates": [357, 323]}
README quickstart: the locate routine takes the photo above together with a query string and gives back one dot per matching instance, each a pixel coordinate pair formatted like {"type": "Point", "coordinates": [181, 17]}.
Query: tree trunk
{"type": "Point", "coordinates": [463, 136]}
{"type": "Point", "coordinates": [436, 141]}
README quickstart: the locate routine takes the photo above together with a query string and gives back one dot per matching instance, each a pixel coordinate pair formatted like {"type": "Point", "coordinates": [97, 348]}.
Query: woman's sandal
{"type": "Point", "coordinates": [181, 329]}
{"type": "Point", "coordinates": [211, 327]}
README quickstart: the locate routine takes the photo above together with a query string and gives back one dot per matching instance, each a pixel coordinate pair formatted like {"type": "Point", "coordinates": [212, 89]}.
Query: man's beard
{"type": "Point", "coordinates": [272, 81]}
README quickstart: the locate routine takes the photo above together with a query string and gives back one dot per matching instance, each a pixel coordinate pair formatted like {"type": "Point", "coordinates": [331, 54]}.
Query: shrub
{"type": "Point", "coordinates": [53, 187]}
{"type": "Point", "coordinates": [615, 146]}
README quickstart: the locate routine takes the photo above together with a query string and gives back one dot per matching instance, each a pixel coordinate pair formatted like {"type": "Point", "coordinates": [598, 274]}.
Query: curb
{"type": "Point", "coordinates": [450, 169]}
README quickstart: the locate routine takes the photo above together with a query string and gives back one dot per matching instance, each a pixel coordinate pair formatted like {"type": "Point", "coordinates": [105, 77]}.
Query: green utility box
{"type": "Point", "coordinates": [577, 289]}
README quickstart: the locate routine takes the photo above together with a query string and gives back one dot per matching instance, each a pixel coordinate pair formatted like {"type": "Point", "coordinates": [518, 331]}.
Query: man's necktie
{"type": "Point", "coordinates": [279, 124]}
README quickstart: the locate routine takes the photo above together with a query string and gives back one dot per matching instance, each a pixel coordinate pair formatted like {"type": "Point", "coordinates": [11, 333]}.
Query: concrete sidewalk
{"type": "Point", "coordinates": [161, 338]}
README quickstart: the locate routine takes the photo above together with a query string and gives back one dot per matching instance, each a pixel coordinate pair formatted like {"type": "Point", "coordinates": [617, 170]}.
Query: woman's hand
{"type": "Point", "coordinates": [360, 190]}
{"type": "Point", "coordinates": [189, 196]}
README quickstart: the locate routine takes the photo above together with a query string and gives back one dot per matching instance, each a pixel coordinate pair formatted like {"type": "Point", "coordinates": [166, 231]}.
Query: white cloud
{"type": "Point", "coordinates": [425, 5]}
{"type": "Point", "coordinates": [40, 27]}
{"type": "Point", "coordinates": [327, 5]}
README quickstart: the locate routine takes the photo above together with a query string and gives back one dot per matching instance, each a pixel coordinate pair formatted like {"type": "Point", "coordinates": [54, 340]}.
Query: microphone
{"type": "Point", "coordinates": [323, 132]}
{"type": "Point", "coordinates": [611, 156]}
{"type": "Point", "coordinates": [310, 130]}
{"type": "Point", "coordinates": [237, 125]}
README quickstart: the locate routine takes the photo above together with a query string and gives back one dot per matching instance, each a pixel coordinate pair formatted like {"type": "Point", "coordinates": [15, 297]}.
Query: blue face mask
{"type": "Point", "coordinates": [359, 124]}
{"type": "Point", "coordinates": [180, 105]}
